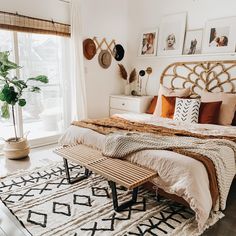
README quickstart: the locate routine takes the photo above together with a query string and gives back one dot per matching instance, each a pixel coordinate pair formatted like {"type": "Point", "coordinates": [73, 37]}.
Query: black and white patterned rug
{"type": "Point", "coordinates": [46, 204]}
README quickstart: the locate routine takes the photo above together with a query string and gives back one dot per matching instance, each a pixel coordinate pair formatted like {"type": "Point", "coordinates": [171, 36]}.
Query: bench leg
{"type": "Point", "coordinates": [72, 181]}
{"type": "Point", "coordinates": [115, 199]}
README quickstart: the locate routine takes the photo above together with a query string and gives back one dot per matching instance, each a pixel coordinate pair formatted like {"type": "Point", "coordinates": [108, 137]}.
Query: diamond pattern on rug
{"type": "Point", "coordinates": [100, 192]}
{"type": "Point", "coordinates": [61, 208]}
{"type": "Point", "coordinates": [82, 200]}
{"type": "Point", "coordinates": [47, 205]}
{"type": "Point", "coordinates": [37, 218]}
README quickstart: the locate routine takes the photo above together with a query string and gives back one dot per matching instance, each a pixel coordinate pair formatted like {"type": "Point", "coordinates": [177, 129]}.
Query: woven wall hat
{"type": "Point", "coordinates": [89, 48]}
{"type": "Point", "coordinates": [104, 59]}
{"type": "Point", "coordinates": [118, 52]}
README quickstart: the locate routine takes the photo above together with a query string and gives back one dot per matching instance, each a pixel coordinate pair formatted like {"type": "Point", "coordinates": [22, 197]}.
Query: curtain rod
{"type": "Point", "coordinates": [33, 18]}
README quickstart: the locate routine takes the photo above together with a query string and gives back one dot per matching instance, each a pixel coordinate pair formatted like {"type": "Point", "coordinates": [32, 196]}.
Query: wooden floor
{"type": "Point", "coordinates": [9, 226]}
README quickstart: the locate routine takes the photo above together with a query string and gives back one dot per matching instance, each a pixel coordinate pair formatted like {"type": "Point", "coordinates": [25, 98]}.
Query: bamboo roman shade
{"type": "Point", "coordinates": [14, 21]}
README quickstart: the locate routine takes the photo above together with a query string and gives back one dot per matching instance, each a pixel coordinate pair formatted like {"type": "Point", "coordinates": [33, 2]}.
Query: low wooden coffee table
{"type": "Point", "coordinates": [116, 171]}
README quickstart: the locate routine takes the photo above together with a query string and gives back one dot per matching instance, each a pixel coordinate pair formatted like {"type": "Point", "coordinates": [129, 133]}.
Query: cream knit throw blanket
{"type": "Point", "coordinates": [120, 145]}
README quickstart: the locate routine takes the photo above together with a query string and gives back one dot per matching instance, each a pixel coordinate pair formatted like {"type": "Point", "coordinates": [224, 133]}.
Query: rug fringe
{"type": "Point", "coordinates": [191, 225]}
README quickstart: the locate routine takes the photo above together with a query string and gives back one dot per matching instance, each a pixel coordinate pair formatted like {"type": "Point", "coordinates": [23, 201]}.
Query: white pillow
{"type": "Point", "coordinates": [187, 110]}
{"type": "Point", "coordinates": [228, 106]}
{"type": "Point", "coordinates": [169, 93]}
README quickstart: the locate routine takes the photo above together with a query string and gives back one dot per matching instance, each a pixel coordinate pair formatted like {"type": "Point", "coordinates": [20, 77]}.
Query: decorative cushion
{"type": "Point", "coordinates": [169, 93]}
{"type": "Point", "coordinates": [234, 120]}
{"type": "Point", "coordinates": [228, 106]}
{"type": "Point", "coordinates": [152, 106]}
{"type": "Point", "coordinates": [187, 110]}
{"type": "Point", "coordinates": [209, 112]}
{"type": "Point", "coordinates": [168, 107]}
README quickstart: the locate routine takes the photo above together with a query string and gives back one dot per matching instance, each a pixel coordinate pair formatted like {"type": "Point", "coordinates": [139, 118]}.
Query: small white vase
{"type": "Point", "coordinates": [127, 89]}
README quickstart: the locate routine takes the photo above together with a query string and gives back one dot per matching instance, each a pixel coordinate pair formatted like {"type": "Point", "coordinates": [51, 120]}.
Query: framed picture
{"type": "Point", "coordinates": [171, 36]}
{"type": "Point", "coordinates": [219, 35]}
{"type": "Point", "coordinates": [148, 43]}
{"type": "Point", "coordinates": [193, 42]}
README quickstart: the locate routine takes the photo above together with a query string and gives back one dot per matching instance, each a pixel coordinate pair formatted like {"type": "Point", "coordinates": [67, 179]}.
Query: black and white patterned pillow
{"type": "Point", "coordinates": [187, 110]}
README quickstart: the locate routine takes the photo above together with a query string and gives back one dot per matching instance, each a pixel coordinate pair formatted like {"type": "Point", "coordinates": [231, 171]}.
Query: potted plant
{"type": "Point", "coordinates": [11, 94]}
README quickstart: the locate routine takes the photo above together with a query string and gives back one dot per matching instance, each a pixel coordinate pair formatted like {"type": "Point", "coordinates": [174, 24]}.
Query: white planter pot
{"type": "Point", "coordinates": [16, 149]}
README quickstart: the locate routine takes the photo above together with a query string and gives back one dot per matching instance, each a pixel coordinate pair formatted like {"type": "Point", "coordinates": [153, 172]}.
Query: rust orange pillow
{"type": "Point", "coordinates": [168, 107]}
{"type": "Point", "coordinates": [152, 106]}
{"type": "Point", "coordinates": [209, 112]}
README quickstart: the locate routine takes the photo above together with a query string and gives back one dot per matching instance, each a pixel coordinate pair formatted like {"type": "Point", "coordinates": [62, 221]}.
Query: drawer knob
{"type": "Point", "coordinates": [123, 104]}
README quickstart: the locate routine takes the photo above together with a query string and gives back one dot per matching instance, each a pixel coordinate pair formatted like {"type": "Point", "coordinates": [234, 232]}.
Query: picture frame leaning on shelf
{"type": "Point", "coordinates": [219, 36]}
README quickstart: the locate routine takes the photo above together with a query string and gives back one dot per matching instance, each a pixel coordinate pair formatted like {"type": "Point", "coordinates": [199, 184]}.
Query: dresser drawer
{"type": "Point", "coordinates": [125, 104]}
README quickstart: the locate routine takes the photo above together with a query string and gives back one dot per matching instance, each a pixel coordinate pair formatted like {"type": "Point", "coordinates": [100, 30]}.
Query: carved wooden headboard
{"type": "Point", "coordinates": [213, 76]}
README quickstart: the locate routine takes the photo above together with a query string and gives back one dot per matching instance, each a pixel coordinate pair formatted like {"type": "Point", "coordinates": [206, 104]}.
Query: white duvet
{"type": "Point", "coordinates": [178, 174]}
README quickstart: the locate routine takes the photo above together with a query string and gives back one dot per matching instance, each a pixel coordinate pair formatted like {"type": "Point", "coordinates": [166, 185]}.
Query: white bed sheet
{"type": "Point", "coordinates": [178, 174]}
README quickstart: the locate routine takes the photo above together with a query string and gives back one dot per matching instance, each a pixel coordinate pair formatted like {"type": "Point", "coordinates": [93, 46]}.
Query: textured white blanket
{"type": "Point", "coordinates": [119, 145]}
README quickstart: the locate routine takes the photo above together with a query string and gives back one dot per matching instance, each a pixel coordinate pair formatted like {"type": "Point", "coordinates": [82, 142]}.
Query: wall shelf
{"type": "Point", "coordinates": [191, 56]}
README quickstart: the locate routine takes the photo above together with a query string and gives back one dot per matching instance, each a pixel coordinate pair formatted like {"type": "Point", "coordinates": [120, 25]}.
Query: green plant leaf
{"type": "Point", "coordinates": [20, 84]}
{"type": "Point", "coordinates": [3, 73]}
{"type": "Point", "coordinates": [6, 90]}
{"type": "Point", "coordinates": [22, 102]}
{"type": "Point", "coordinates": [5, 64]}
{"type": "Point", "coordinates": [4, 56]}
{"type": "Point", "coordinates": [35, 89]}
{"type": "Point", "coordinates": [11, 96]}
{"type": "Point", "coordinates": [40, 78]}
{"type": "Point", "coordinates": [9, 65]}
{"type": "Point", "coordinates": [5, 111]}
{"type": "Point", "coordinates": [2, 96]}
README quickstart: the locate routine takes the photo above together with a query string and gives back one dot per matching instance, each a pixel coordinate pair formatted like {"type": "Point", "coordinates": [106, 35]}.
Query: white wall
{"type": "Point", "coordinates": [103, 18]}
{"type": "Point", "coordinates": [44, 9]}
{"type": "Point", "coordinates": [100, 18]}
{"type": "Point", "coordinates": [146, 14]}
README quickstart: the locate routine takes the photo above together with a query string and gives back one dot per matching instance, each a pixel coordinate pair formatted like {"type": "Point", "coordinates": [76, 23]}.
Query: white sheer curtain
{"type": "Point", "coordinates": [79, 102]}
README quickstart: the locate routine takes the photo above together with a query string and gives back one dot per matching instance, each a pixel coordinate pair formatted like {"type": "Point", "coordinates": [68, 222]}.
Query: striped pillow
{"type": "Point", "coordinates": [187, 110]}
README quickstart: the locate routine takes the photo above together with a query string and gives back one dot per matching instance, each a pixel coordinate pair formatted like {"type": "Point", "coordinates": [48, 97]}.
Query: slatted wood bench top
{"type": "Point", "coordinates": [119, 171]}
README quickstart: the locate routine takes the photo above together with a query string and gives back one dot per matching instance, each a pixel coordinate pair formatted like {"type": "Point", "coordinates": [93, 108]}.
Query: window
{"type": "Point", "coordinates": [6, 127]}
{"type": "Point", "coordinates": [43, 116]}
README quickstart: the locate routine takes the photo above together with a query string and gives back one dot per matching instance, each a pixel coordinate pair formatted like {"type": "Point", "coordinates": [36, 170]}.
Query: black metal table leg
{"type": "Point", "coordinates": [74, 180]}
{"type": "Point", "coordinates": [115, 199]}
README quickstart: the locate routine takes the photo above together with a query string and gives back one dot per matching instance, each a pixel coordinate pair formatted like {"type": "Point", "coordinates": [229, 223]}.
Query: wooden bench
{"type": "Point", "coordinates": [116, 171]}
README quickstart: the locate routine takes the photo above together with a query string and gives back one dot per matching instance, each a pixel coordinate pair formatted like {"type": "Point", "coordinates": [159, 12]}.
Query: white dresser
{"type": "Point", "coordinates": [125, 104]}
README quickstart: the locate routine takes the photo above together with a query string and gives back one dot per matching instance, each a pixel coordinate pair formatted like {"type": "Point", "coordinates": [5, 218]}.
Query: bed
{"type": "Point", "coordinates": [187, 178]}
